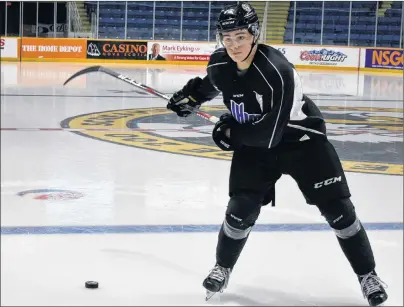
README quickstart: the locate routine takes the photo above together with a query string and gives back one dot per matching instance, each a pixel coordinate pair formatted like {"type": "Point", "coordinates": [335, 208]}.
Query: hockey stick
{"type": "Point", "coordinates": [146, 88]}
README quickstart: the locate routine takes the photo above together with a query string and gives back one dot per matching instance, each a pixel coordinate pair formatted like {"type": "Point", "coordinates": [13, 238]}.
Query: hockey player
{"type": "Point", "coordinates": [273, 129]}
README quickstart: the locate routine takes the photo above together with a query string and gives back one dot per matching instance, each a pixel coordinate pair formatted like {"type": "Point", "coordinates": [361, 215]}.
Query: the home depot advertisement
{"type": "Point", "coordinates": [170, 51]}
{"type": "Point", "coordinates": [53, 48]}
{"type": "Point", "coordinates": [9, 48]}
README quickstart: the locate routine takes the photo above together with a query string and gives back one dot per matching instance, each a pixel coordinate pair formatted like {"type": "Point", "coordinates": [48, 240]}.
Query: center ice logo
{"type": "Point", "coordinates": [323, 55]}
{"type": "Point", "coordinates": [160, 129]}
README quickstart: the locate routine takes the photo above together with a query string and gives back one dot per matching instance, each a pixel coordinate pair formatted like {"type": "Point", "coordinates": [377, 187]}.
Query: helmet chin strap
{"type": "Point", "coordinates": [252, 47]}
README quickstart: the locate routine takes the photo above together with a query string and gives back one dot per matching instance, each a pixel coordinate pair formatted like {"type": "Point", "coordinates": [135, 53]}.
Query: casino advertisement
{"type": "Point", "coordinates": [173, 51]}
{"type": "Point", "coordinates": [116, 50]}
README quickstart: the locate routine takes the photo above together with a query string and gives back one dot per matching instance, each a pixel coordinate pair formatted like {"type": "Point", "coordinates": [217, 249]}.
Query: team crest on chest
{"type": "Point", "coordinates": [238, 112]}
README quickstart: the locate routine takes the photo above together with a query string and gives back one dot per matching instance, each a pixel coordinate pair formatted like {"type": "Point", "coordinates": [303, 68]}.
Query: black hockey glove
{"type": "Point", "coordinates": [186, 96]}
{"type": "Point", "coordinates": [219, 132]}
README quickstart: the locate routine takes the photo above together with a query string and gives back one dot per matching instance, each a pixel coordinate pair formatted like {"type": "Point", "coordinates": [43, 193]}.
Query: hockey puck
{"type": "Point", "coordinates": [91, 284]}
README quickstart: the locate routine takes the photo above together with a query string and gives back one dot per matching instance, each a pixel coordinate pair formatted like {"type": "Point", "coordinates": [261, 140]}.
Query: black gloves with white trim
{"type": "Point", "coordinates": [188, 95]}
{"type": "Point", "coordinates": [221, 136]}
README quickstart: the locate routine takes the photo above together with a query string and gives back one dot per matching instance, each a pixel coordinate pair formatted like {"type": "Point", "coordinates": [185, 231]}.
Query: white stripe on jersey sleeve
{"type": "Point", "coordinates": [221, 63]}
{"type": "Point", "coordinates": [296, 113]}
{"type": "Point", "coordinates": [305, 129]}
{"type": "Point", "coordinates": [280, 109]}
{"type": "Point", "coordinates": [272, 90]}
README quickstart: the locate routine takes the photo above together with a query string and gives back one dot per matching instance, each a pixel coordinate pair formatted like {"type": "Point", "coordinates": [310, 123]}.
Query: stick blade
{"type": "Point", "coordinates": [83, 72]}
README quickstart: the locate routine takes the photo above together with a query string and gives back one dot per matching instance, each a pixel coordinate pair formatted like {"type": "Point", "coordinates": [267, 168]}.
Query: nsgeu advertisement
{"type": "Point", "coordinates": [116, 50]}
{"type": "Point", "coordinates": [384, 58]}
{"type": "Point", "coordinates": [173, 51]}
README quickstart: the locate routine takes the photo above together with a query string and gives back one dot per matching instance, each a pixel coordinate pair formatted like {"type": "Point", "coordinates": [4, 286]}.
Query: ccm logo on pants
{"type": "Point", "coordinates": [327, 182]}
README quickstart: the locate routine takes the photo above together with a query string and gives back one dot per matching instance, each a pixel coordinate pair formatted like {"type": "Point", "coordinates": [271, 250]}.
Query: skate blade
{"type": "Point", "coordinates": [209, 295]}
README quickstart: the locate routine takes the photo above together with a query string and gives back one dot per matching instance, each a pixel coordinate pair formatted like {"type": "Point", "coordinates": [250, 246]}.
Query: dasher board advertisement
{"type": "Point", "coordinates": [384, 58]}
{"type": "Point", "coordinates": [9, 48]}
{"type": "Point", "coordinates": [53, 48]}
{"type": "Point", "coordinates": [178, 51]}
{"type": "Point", "coordinates": [116, 50]}
{"type": "Point", "coordinates": [323, 56]}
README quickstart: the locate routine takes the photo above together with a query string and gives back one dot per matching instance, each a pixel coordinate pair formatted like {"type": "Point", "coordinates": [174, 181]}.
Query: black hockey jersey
{"type": "Point", "coordinates": [266, 100]}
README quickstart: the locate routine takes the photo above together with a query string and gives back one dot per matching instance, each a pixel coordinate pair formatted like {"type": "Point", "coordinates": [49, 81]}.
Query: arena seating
{"type": "Point", "coordinates": [167, 25]}
{"type": "Point", "coordinates": [336, 24]}
{"type": "Point", "coordinates": [195, 25]}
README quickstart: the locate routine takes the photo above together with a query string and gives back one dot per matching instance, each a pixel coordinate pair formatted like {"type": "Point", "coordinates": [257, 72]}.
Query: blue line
{"type": "Point", "coordinates": [116, 229]}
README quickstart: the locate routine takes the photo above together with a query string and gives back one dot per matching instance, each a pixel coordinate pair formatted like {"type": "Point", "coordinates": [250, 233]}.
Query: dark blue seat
{"type": "Point", "coordinates": [195, 22]}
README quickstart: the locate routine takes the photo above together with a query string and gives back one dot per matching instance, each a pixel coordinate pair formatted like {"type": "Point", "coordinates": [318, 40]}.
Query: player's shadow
{"type": "Point", "coordinates": [246, 295]}
{"type": "Point", "coordinates": [255, 296]}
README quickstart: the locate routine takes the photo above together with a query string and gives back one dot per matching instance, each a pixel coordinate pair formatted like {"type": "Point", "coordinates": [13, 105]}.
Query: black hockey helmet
{"type": "Point", "coordinates": [239, 16]}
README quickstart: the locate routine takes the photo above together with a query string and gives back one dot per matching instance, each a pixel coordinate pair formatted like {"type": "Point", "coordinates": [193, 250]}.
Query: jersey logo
{"type": "Point", "coordinates": [237, 110]}
{"type": "Point", "coordinates": [259, 100]}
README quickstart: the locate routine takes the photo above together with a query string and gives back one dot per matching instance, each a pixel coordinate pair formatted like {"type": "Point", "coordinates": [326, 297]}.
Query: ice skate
{"type": "Point", "coordinates": [373, 289]}
{"type": "Point", "coordinates": [216, 281]}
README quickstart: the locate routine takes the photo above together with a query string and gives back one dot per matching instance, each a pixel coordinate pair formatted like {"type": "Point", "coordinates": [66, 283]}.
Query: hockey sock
{"type": "Point", "coordinates": [228, 250]}
{"type": "Point", "coordinates": [358, 251]}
